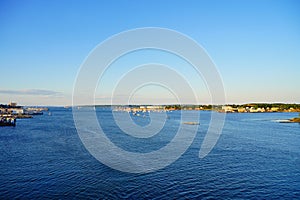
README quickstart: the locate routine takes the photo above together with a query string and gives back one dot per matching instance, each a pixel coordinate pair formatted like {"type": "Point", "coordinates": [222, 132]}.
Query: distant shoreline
{"type": "Point", "coordinates": [228, 108]}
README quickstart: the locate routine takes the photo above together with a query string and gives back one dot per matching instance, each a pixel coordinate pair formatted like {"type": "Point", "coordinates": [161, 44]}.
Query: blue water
{"type": "Point", "coordinates": [255, 157]}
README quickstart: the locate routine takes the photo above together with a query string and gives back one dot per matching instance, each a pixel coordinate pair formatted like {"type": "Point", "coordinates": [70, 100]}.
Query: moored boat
{"type": "Point", "coordinates": [7, 121]}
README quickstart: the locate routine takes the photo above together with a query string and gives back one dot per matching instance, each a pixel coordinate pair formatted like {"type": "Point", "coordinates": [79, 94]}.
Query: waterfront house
{"type": "Point", "coordinates": [242, 110]}
{"type": "Point", "coordinates": [16, 111]}
{"type": "Point", "coordinates": [12, 104]}
{"type": "Point", "coordinates": [274, 109]}
{"type": "Point", "coordinates": [227, 108]}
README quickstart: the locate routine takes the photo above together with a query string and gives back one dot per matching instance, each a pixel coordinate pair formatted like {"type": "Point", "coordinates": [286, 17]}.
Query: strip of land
{"type": "Point", "coordinates": [233, 108]}
{"type": "Point", "coordinates": [15, 111]}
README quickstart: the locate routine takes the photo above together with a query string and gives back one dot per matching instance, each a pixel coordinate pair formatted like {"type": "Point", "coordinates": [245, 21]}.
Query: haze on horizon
{"type": "Point", "coordinates": [254, 44]}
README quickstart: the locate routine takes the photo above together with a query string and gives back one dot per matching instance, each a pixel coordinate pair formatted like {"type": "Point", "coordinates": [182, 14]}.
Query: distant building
{"type": "Point", "coordinates": [154, 107]}
{"type": "Point", "coordinates": [227, 109]}
{"type": "Point", "coordinates": [261, 110]}
{"type": "Point", "coordinates": [12, 104]}
{"type": "Point", "coordinates": [16, 110]}
{"type": "Point", "coordinates": [241, 110]}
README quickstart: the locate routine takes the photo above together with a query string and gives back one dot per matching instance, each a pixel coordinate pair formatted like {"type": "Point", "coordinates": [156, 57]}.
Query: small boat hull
{"type": "Point", "coordinates": [7, 121]}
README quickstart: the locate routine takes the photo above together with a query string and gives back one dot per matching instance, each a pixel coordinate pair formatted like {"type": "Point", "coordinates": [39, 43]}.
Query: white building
{"type": "Point", "coordinates": [16, 110]}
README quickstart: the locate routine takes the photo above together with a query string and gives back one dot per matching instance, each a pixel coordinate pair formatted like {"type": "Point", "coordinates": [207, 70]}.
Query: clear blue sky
{"type": "Point", "coordinates": [254, 44]}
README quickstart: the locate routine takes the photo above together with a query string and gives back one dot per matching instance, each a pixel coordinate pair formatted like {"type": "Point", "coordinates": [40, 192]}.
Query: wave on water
{"type": "Point", "coordinates": [282, 120]}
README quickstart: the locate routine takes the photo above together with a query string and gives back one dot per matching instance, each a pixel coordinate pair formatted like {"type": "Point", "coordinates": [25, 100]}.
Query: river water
{"type": "Point", "coordinates": [255, 157]}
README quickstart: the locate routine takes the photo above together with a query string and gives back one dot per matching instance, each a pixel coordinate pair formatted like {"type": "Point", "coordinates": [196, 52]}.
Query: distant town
{"type": "Point", "coordinates": [10, 112]}
{"type": "Point", "coordinates": [20, 111]}
{"type": "Point", "coordinates": [23, 112]}
{"type": "Point", "coordinates": [244, 108]}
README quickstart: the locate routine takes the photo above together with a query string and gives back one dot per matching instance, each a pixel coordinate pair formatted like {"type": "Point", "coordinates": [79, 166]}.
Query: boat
{"type": "Point", "coordinates": [192, 123]}
{"type": "Point", "coordinates": [7, 121]}
{"type": "Point", "coordinates": [35, 112]}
